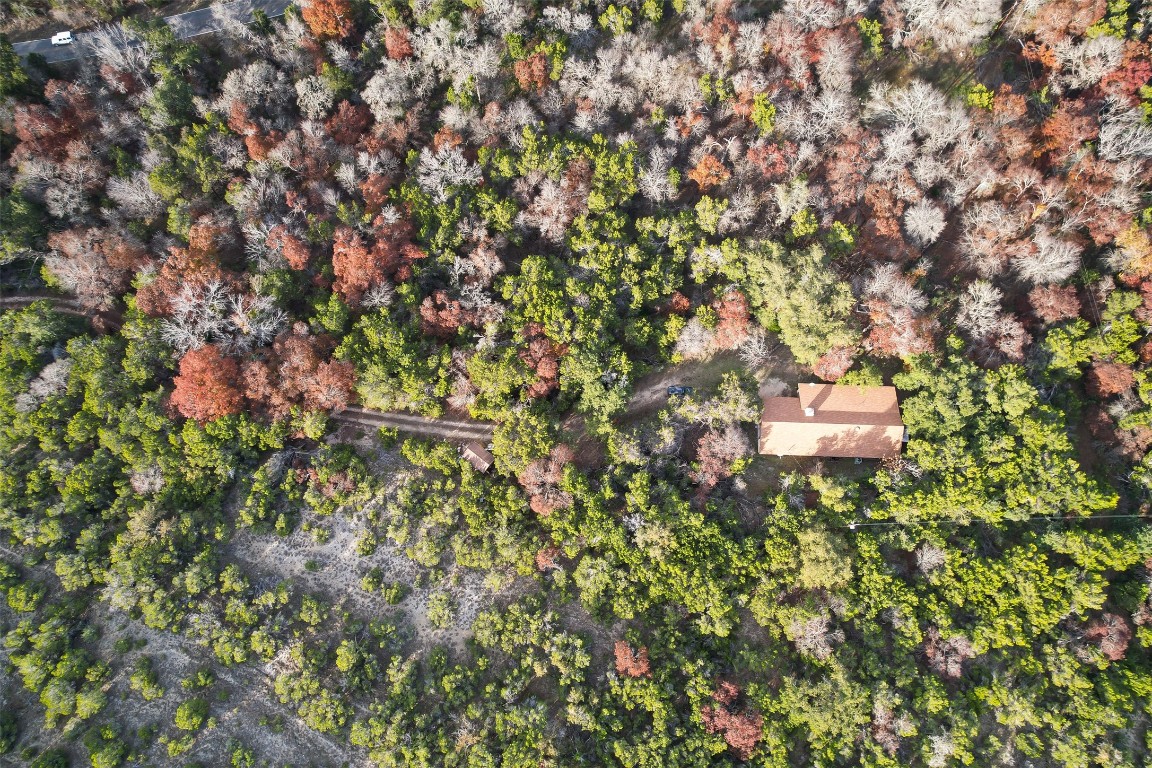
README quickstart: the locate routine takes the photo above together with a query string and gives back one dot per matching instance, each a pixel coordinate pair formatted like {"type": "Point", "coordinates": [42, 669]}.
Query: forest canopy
{"type": "Point", "coordinates": [270, 296]}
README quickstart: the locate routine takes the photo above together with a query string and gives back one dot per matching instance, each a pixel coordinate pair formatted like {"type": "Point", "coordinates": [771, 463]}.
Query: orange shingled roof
{"type": "Point", "coordinates": [847, 421]}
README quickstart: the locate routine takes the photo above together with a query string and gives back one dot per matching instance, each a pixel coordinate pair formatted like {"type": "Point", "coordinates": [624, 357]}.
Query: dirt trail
{"type": "Point", "coordinates": [650, 393]}
{"type": "Point", "coordinates": [64, 306]}
{"type": "Point", "coordinates": [449, 429]}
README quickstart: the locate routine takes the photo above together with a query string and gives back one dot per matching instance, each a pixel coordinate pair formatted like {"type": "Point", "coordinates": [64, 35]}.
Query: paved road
{"type": "Point", "coordinates": [188, 24]}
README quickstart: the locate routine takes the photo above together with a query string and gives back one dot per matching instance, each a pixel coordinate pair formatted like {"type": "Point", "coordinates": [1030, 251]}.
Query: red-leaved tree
{"type": "Point", "coordinates": [347, 124]}
{"type": "Point", "coordinates": [1112, 633]}
{"type": "Point", "coordinates": [442, 316]}
{"type": "Point", "coordinates": [834, 364]}
{"type": "Point", "coordinates": [294, 250]}
{"type": "Point", "coordinates": [1051, 303]}
{"type": "Point", "coordinates": [184, 267]}
{"type": "Point", "coordinates": [741, 728]}
{"type": "Point", "coordinates": [716, 453]}
{"type": "Point", "coordinates": [532, 72]}
{"type": "Point", "coordinates": [541, 481]}
{"type": "Point", "coordinates": [354, 264]}
{"type": "Point", "coordinates": [296, 371]}
{"type": "Point", "coordinates": [1106, 379]}
{"type": "Point", "coordinates": [946, 657]}
{"type": "Point", "coordinates": [542, 355]}
{"type": "Point", "coordinates": [546, 559]}
{"type": "Point", "coordinates": [732, 309]}
{"type": "Point", "coordinates": [397, 43]}
{"type": "Point", "coordinates": [94, 263]}
{"type": "Point", "coordinates": [359, 267]}
{"type": "Point", "coordinates": [897, 331]}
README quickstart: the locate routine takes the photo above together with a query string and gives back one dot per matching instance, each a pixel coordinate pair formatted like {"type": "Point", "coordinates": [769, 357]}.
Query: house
{"type": "Point", "coordinates": [834, 421]}
{"type": "Point", "coordinates": [477, 455]}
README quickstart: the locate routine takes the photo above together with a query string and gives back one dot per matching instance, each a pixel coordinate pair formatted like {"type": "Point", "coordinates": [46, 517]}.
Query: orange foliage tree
{"type": "Point", "coordinates": [532, 72]}
{"type": "Point", "coordinates": [359, 267]}
{"type": "Point", "coordinates": [709, 172]}
{"type": "Point", "coordinates": [328, 19]}
{"type": "Point", "coordinates": [207, 386]}
{"type": "Point", "coordinates": [632, 662]}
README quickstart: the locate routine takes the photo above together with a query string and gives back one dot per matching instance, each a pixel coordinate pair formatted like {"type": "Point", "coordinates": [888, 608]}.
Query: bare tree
{"type": "Point", "coordinates": [1084, 62]}
{"type": "Point", "coordinates": [1124, 135]}
{"type": "Point", "coordinates": [946, 656]}
{"type": "Point", "coordinates": [380, 295]}
{"type": "Point", "coordinates": [791, 198]}
{"type": "Point", "coordinates": [549, 211]}
{"type": "Point", "coordinates": [439, 171]}
{"type": "Point", "coordinates": [742, 210]}
{"type": "Point", "coordinates": [134, 196]}
{"type": "Point", "coordinates": [924, 221]}
{"type": "Point", "coordinates": [942, 748]}
{"type": "Point", "coordinates": [211, 312]}
{"type": "Point", "coordinates": [654, 182]}
{"type": "Point", "coordinates": [696, 341]}
{"type": "Point", "coordinates": [951, 24]}
{"type": "Point", "coordinates": [979, 309]}
{"type": "Point", "coordinates": [390, 89]}
{"type": "Point", "coordinates": [813, 635]}
{"type": "Point", "coordinates": [259, 86]}
{"type": "Point", "coordinates": [889, 284]}
{"type": "Point", "coordinates": [52, 380]}
{"type": "Point", "coordinates": [837, 61]}
{"type": "Point", "coordinates": [112, 45]}
{"type": "Point", "coordinates": [936, 120]}
{"type": "Point", "coordinates": [930, 557]}
{"type": "Point", "coordinates": [1053, 260]}
{"type": "Point", "coordinates": [314, 97]}
{"type": "Point", "coordinates": [566, 20]}
{"type": "Point", "coordinates": [504, 16]}
{"type": "Point", "coordinates": [988, 227]}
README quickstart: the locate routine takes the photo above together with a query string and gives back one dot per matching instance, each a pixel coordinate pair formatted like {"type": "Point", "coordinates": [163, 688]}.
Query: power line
{"type": "Point", "coordinates": [968, 521]}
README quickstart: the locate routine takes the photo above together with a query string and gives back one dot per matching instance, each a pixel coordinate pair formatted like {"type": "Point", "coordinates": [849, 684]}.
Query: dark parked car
{"type": "Point", "coordinates": [679, 390]}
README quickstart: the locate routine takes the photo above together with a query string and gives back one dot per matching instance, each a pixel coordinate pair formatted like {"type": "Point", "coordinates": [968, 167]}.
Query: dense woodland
{"type": "Point", "coordinates": [521, 212]}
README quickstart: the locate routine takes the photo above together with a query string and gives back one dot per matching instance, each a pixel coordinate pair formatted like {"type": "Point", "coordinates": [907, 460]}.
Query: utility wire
{"type": "Point", "coordinates": [967, 521]}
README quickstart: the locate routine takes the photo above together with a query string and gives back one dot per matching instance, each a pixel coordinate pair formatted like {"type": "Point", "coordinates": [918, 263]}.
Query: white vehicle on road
{"type": "Point", "coordinates": [62, 38]}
